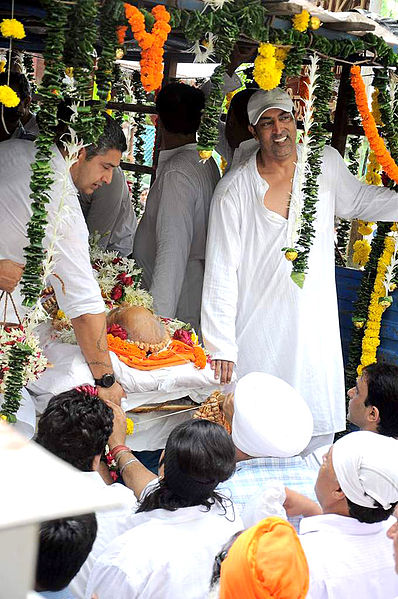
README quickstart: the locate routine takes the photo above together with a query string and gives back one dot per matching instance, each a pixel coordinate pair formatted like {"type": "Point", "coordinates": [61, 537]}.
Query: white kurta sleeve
{"type": "Point", "coordinates": [75, 287]}
{"type": "Point", "coordinates": [109, 582]}
{"type": "Point", "coordinates": [220, 286]}
{"type": "Point", "coordinates": [359, 200]}
{"type": "Point", "coordinates": [174, 233]}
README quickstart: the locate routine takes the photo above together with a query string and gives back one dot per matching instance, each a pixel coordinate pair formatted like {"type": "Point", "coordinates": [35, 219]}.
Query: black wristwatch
{"type": "Point", "coordinates": [106, 381]}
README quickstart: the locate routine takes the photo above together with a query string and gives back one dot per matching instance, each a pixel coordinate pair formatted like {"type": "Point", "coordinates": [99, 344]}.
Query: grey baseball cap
{"type": "Point", "coordinates": [263, 100]}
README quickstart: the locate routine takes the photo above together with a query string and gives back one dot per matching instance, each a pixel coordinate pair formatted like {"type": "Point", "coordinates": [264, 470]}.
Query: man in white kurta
{"type": "Point", "coordinates": [253, 314]}
{"type": "Point", "coordinates": [170, 242]}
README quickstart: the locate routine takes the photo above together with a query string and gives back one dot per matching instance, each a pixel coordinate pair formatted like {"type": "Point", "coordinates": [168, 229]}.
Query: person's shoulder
{"type": "Point", "coordinates": [230, 184]}
{"type": "Point", "coordinates": [21, 147]}
{"type": "Point", "coordinates": [330, 154]}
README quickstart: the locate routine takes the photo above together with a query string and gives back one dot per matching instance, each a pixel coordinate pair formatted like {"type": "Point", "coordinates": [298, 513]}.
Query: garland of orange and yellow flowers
{"type": "Point", "coordinates": [151, 44]}
{"type": "Point", "coordinates": [388, 261]}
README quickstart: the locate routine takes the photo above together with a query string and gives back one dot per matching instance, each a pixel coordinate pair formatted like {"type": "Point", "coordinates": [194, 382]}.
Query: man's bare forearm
{"type": "Point", "coordinates": [90, 330]}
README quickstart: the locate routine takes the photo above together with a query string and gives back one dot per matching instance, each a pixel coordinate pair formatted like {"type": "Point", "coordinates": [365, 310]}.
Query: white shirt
{"type": "Point", "coordinates": [170, 242]}
{"type": "Point", "coordinates": [348, 558]}
{"type": "Point", "coordinates": [253, 313]}
{"type": "Point", "coordinates": [167, 555]}
{"type": "Point", "coordinates": [110, 524]}
{"type": "Point", "coordinates": [110, 212]}
{"type": "Point", "coordinates": [75, 287]}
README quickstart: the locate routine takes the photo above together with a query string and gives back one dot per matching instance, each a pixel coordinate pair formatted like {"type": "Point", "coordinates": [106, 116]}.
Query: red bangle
{"type": "Point", "coordinates": [116, 450]}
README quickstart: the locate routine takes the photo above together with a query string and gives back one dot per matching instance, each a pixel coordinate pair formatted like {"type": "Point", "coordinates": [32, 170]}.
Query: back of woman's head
{"type": "Point", "coordinates": [198, 456]}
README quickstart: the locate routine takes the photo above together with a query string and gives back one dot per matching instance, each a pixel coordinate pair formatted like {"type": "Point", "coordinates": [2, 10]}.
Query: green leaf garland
{"type": "Point", "coordinates": [19, 355]}
{"type": "Point", "coordinates": [310, 189]}
{"type": "Point", "coordinates": [42, 176]}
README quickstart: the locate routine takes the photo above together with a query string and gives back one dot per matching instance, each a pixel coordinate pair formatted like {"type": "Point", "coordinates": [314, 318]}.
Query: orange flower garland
{"type": "Point", "coordinates": [368, 122]}
{"type": "Point", "coordinates": [151, 44]}
{"type": "Point", "coordinates": [175, 354]}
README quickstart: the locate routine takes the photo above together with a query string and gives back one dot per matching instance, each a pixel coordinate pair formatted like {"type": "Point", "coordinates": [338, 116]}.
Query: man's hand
{"type": "Point", "coordinates": [223, 370]}
{"type": "Point", "coordinates": [299, 505]}
{"type": "Point", "coordinates": [118, 436]}
{"type": "Point", "coordinates": [112, 394]}
{"type": "Point", "coordinates": [10, 275]}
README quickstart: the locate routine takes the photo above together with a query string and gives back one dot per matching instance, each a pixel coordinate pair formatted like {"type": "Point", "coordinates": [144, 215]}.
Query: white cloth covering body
{"type": "Point", "coordinates": [167, 555]}
{"type": "Point", "coordinates": [110, 212]}
{"type": "Point", "coordinates": [110, 523]}
{"type": "Point", "coordinates": [170, 241]}
{"type": "Point", "coordinates": [348, 558]}
{"type": "Point", "coordinates": [253, 313]}
{"type": "Point", "coordinates": [76, 288]}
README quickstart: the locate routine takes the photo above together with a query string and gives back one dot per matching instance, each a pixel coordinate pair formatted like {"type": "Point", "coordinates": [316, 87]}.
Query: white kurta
{"type": "Point", "coordinates": [170, 241]}
{"type": "Point", "coordinates": [76, 288]}
{"type": "Point", "coordinates": [252, 312]}
{"type": "Point", "coordinates": [110, 523]}
{"type": "Point", "coordinates": [348, 558]}
{"type": "Point", "coordinates": [167, 555]}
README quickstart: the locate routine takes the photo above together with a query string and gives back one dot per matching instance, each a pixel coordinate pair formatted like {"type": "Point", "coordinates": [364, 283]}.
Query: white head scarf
{"type": "Point", "coordinates": [366, 466]}
{"type": "Point", "coordinates": [270, 418]}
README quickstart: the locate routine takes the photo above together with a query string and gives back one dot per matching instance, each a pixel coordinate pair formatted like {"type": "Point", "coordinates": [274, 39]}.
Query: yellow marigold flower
{"type": "Point", "coordinates": [361, 252]}
{"type": "Point", "coordinates": [392, 287]}
{"type": "Point", "coordinates": [365, 228]}
{"type": "Point", "coordinates": [12, 28]}
{"type": "Point", "coordinates": [281, 53]}
{"type": "Point", "coordinates": [394, 227]}
{"type": "Point", "coordinates": [268, 78]}
{"type": "Point", "coordinates": [61, 315]}
{"type": "Point", "coordinates": [8, 97]}
{"type": "Point", "coordinates": [301, 21]}
{"type": "Point", "coordinates": [291, 255]}
{"type": "Point", "coordinates": [266, 50]}
{"type": "Point", "coordinates": [129, 426]}
{"type": "Point", "coordinates": [315, 23]}
{"type": "Point", "coordinates": [3, 65]}
{"type": "Point", "coordinates": [205, 154]}
{"type": "Point", "coordinates": [195, 338]}
{"type": "Point", "coordinates": [3, 417]}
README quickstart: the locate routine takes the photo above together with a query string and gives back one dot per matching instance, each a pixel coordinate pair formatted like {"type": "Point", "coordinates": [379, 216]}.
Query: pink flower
{"type": "Point", "coordinates": [125, 279]}
{"type": "Point", "coordinates": [113, 474]}
{"type": "Point", "coordinates": [117, 292]}
{"type": "Point", "coordinates": [184, 336]}
{"type": "Point", "coordinates": [117, 331]}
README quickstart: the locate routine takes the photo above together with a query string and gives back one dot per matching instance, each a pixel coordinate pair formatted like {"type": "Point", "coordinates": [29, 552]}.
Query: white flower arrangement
{"type": "Point", "coordinates": [36, 362]}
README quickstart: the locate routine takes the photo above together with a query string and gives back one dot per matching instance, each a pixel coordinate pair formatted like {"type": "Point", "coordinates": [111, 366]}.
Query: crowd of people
{"type": "Point", "coordinates": [278, 508]}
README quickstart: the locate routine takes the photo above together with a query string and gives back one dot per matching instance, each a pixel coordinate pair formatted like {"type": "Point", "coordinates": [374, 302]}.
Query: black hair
{"type": "Point", "coordinates": [369, 515]}
{"type": "Point", "coordinates": [220, 557]}
{"type": "Point", "coordinates": [239, 105]}
{"type": "Point", "coordinates": [382, 381]}
{"type": "Point", "coordinates": [17, 81]}
{"type": "Point", "coordinates": [75, 426]}
{"type": "Point", "coordinates": [64, 545]}
{"type": "Point", "coordinates": [112, 137]}
{"type": "Point", "coordinates": [198, 456]}
{"type": "Point", "coordinates": [179, 107]}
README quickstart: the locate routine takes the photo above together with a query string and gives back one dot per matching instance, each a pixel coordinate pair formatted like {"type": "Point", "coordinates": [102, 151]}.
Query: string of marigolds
{"type": "Point", "coordinates": [42, 176]}
{"type": "Point", "coordinates": [12, 29]}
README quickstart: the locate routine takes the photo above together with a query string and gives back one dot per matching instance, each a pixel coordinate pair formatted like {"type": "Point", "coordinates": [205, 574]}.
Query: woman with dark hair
{"type": "Point", "coordinates": [180, 524]}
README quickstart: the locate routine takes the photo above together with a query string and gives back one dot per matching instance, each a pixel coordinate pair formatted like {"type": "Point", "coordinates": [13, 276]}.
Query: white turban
{"type": "Point", "coordinates": [270, 418]}
{"type": "Point", "coordinates": [366, 466]}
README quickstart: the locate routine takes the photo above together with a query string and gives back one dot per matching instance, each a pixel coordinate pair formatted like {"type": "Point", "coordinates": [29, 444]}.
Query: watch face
{"type": "Point", "coordinates": [108, 380]}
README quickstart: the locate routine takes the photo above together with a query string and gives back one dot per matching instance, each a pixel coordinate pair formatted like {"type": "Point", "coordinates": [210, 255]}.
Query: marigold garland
{"type": "Point", "coordinates": [8, 97]}
{"type": "Point", "coordinates": [12, 28]}
{"type": "Point", "coordinates": [151, 44]}
{"type": "Point", "coordinates": [376, 143]}
{"type": "Point", "coordinates": [378, 304]}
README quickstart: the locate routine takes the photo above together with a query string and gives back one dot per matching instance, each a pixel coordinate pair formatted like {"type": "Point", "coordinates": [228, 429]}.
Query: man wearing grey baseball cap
{"type": "Point", "coordinates": [254, 317]}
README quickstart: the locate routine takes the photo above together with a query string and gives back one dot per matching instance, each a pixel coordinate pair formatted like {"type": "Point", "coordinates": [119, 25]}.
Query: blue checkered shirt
{"type": "Point", "coordinates": [251, 476]}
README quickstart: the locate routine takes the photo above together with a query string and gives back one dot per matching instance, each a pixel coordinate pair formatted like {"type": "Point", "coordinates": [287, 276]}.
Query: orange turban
{"type": "Point", "coordinates": [266, 561]}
